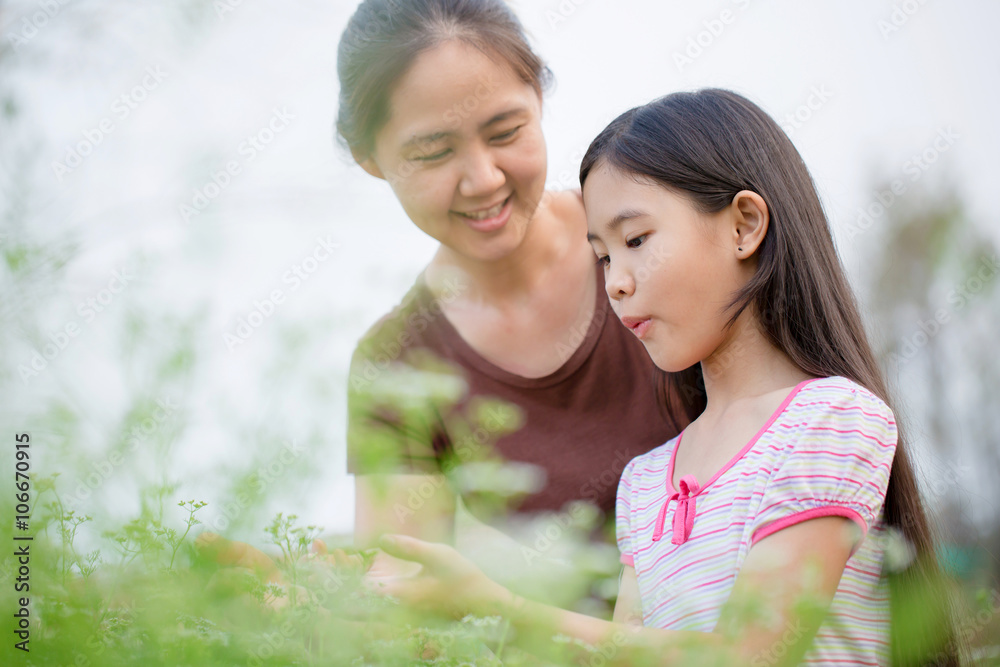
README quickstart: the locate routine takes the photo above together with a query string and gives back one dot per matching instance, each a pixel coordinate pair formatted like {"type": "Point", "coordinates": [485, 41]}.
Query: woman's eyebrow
{"type": "Point", "coordinates": [439, 135]}
{"type": "Point", "coordinates": [503, 115]}
{"type": "Point", "coordinates": [425, 139]}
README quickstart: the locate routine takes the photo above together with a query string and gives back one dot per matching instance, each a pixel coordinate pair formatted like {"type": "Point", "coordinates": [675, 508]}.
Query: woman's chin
{"type": "Point", "coordinates": [497, 247]}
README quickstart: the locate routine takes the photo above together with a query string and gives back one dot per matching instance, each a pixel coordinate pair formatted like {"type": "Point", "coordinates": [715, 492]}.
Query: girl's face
{"type": "Point", "coordinates": [670, 270]}
{"type": "Point", "coordinates": [463, 150]}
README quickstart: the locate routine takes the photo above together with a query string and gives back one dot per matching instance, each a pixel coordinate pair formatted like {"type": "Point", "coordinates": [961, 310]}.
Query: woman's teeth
{"type": "Point", "coordinates": [488, 213]}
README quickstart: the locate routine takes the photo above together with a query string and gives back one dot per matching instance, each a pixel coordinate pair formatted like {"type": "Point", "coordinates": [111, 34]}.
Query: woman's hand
{"type": "Point", "coordinates": [232, 553]}
{"type": "Point", "coordinates": [447, 582]}
{"type": "Point", "coordinates": [242, 559]}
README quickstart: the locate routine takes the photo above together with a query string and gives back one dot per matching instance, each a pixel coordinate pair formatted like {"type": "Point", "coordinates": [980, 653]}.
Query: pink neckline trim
{"type": "Point", "coordinates": [746, 448]}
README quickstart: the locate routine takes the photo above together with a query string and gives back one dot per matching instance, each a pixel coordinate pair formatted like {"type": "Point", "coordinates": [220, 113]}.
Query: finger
{"type": "Point", "coordinates": [208, 542]}
{"type": "Point", "coordinates": [406, 548]}
{"type": "Point", "coordinates": [344, 560]}
{"type": "Point", "coordinates": [237, 554]}
{"type": "Point", "coordinates": [231, 580]}
{"type": "Point", "coordinates": [393, 585]}
{"type": "Point", "coordinates": [318, 547]}
{"type": "Point", "coordinates": [385, 565]}
{"type": "Point", "coordinates": [218, 549]}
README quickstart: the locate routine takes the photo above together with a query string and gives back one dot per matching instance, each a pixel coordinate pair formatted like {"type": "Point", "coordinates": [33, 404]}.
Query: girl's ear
{"type": "Point", "coordinates": [367, 163]}
{"type": "Point", "coordinates": [750, 222]}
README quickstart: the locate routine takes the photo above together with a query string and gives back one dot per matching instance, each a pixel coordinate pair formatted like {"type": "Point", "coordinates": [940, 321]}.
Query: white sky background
{"type": "Point", "coordinates": [888, 96]}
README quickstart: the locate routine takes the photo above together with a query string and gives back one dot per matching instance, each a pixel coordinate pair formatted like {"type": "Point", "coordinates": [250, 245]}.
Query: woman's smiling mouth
{"type": "Point", "coordinates": [488, 219]}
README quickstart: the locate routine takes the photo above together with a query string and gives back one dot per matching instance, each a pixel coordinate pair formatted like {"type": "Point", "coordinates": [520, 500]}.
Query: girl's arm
{"type": "Point", "coordinates": [778, 601]}
{"type": "Point", "coordinates": [628, 607]}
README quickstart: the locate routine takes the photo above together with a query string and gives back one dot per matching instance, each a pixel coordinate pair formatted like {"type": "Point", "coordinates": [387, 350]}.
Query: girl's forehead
{"type": "Point", "coordinates": [607, 183]}
{"type": "Point", "coordinates": [611, 194]}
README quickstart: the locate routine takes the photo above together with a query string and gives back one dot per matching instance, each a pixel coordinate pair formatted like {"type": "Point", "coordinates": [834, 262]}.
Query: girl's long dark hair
{"type": "Point", "coordinates": [708, 146]}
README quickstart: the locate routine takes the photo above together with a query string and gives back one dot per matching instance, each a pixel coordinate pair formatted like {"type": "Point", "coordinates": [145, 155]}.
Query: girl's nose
{"type": "Point", "coordinates": [619, 284]}
{"type": "Point", "coordinates": [480, 175]}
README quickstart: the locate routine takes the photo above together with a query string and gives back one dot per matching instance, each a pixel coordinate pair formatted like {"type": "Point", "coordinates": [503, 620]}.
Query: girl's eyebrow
{"type": "Point", "coordinates": [617, 221]}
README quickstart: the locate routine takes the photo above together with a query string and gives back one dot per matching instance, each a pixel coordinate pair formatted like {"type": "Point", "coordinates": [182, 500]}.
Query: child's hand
{"type": "Point", "coordinates": [441, 579]}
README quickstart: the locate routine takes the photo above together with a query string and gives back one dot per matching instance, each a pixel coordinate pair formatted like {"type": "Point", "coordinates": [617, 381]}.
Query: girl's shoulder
{"type": "Point", "coordinates": [838, 409]}
{"type": "Point", "coordinates": [836, 393]}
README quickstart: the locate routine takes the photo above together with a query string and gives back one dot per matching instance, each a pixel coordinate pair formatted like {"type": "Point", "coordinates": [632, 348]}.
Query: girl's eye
{"type": "Point", "coordinates": [637, 241]}
{"type": "Point", "coordinates": [604, 260]}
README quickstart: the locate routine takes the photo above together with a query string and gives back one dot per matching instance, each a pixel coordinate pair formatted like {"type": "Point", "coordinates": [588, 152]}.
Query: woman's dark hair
{"type": "Point", "coordinates": [709, 145]}
{"type": "Point", "coordinates": [384, 37]}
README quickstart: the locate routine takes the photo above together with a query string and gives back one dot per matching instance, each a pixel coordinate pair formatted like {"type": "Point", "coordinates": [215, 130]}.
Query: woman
{"type": "Point", "coordinates": [506, 348]}
{"type": "Point", "coordinates": [443, 100]}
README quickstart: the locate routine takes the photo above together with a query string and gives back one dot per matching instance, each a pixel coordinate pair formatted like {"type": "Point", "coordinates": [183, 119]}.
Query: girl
{"type": "Point", "coordinates": [757, 535]}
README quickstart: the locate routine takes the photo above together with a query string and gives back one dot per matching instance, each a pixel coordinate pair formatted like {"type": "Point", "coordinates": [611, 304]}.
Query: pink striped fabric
{"type": "Point", "coordinates": [827, 450]}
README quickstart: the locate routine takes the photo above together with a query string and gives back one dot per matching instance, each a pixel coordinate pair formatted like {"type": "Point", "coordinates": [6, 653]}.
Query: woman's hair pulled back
{"type": "Point", "coordinates": [384, 37]}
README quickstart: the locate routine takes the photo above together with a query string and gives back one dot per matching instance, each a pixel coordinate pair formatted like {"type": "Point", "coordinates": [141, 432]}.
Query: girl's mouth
{"type": "Point", "coordinates": [489, 219]}
{"type": "Point", "coordinates": [638, 325]}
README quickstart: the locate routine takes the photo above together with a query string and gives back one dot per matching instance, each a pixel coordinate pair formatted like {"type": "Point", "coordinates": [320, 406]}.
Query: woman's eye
{"type": "Point", "coordinates": [604, 260]}
{"type": "Point", "coordinates": [636, 242]}
{"type": "Point", "coordinates": [507, 135]}
{"type": "Point", "coordinates": [433, 156]}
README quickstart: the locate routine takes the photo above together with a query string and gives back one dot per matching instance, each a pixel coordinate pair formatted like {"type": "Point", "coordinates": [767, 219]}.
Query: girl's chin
{"type": "Point", "coordinates": [669, 363]}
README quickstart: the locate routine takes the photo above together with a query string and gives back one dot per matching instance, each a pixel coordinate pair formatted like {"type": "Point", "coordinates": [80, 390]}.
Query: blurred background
{"type": "Point", "coordinates": [187, 257]}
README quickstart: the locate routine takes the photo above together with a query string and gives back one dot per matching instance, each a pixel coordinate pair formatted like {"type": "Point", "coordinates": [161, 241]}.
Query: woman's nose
{"type": "Point", "coordinates": [481, 175]}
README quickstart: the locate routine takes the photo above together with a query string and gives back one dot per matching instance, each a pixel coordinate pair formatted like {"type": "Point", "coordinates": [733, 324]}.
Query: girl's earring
{"type": "Point", "coordinates": [740, 249]}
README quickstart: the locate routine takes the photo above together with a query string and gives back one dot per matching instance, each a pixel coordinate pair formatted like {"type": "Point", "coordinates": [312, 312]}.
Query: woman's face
{"type": "Point", "coordinates": [670, 270]}
{"type": "Point", "coordinates": [463, 150]}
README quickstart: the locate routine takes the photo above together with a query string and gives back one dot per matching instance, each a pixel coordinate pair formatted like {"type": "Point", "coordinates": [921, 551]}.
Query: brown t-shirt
{"type": "Point", "coordinates": [421, 400]}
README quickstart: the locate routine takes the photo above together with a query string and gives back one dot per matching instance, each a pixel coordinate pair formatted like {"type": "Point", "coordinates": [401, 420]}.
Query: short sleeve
{"type": "Point", "coordinates": [394, 413]}
{"type": "Point", "coordinates": [623, 515]}
{"type": "Point", "coordinates": [837, 464]}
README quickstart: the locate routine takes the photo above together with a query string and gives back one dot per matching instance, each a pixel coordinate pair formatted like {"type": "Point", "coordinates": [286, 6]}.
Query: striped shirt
{"type": "Point", "coordinates": [826, 451]}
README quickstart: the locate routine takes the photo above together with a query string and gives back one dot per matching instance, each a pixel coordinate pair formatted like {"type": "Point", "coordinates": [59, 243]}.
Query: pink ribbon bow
{"type": "Point", "coordinates": [683, 514]}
